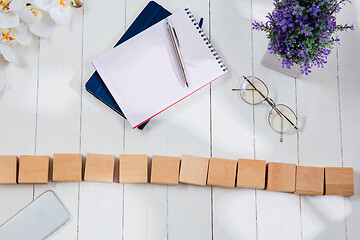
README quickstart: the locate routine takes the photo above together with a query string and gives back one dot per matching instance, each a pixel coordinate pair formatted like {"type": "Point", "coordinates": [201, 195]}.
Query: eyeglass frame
{"type": "Point", "coordinates": [271, 102]}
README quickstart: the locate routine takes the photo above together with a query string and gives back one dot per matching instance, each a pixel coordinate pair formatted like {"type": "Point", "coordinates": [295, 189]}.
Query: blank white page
{"type": "Point", "coordinates": [143, 74]}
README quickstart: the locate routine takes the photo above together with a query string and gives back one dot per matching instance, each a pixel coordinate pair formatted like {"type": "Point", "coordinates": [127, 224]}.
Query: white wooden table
{"type": "Point", "coordinates": [47, 110]}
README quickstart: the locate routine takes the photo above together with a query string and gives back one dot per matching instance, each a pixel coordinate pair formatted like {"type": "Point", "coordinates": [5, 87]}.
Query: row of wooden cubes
{"type": "Point", "coordinates": [201, 171]}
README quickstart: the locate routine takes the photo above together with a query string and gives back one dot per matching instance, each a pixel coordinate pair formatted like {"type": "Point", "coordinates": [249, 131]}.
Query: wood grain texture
{"type": "Point", "coordinates": [309, 180]}
{"type": "Point", "coordinates": [251, 173]}
{"type": "Point", "coordinates": [145, 201]}
{"type": "Point", "coordinates": [18, 120]}
{"type": "Point", "coordinates": [8, 169]}
{"type": "Point", "coordinates": [221, 125]}
{"type": "Point", "coordinates": [191, 136]}
{"type": "Point", "coordinates": [222, 172]}
{"type": "Point", "coordinates": [33, 169]}
{"type": "Point", "coordinates": [193, 170]}
{"type": "Point", "coordinates": [165, 170]}
{"type": "Point", "coordinates": [102, 130]}
{"type": "Point", "coordinates": [267, 141]}
{"type": "Point", "coordinates": [349, 87]}
{"type": "Point", "coordinates": [232, 130]}
{"type": "Point", "coordinates": [133, 168]}
{"type": "Point", "coordinates": [99, 168]}
{"type": "Point", "coordinates": [59, 107]}
{"type": "Point", "coordinates": [339, 181]}
{"type": "Point", "coordinates": [281, 177]}
{"type": "Point", "coordinates": [319, 145]}
{"type": "Point", "coordinates": [67, 167]}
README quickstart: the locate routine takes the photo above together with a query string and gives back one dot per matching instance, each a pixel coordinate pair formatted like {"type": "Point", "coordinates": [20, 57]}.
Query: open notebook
{"type": "Point", "coordinates": [143, 74]}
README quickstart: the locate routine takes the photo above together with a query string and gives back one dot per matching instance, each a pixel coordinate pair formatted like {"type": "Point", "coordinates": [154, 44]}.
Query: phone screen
{"type": "Point", "coordinates": [38, 220]}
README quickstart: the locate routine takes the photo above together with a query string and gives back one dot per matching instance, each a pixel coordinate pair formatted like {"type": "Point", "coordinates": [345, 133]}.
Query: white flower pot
{"type": "Point", "coordinates": [273, 62]}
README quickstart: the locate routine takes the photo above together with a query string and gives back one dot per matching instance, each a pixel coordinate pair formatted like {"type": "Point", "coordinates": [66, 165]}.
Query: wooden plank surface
{"type": "Point", "coordinates": [100, 208]}
{"type": "Point", "coordinates": [145, 205]}
{"type": "Point", "coordinates": [348, 62]}
{"type": "Point", "coordinates": [319, 145]}
{"type": "Point", "coordinates": [58, 111]}
{"type": "Point", "coordinates": [215, 122]}
{"type": "Point", "coordinates": [18, 121]}
{"type": "Point", "coordinates": [322, 217]}
{"type": "Point", "coordinates": [232, 134]}
{"type": "Point", "coordinates": [189, 207]}
{"type": "Point", "coordinates": [281, 208]}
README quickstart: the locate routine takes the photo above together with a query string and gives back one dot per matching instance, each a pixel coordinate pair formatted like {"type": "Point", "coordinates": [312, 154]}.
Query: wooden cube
{"type": "Point", "coordinates": [67, 167]}
{"type": "Point", "coordinates": [222, 172]}
{"type": "Point", "coordinates": [193, 170]}
{"type": "Point", "coordinates": [133, 168]}
{"type": "Point", "coordinates": [8, 169]}
{"type": "Point", "coordinates": [281, 177]}
{"type": "Point", "coordinates": [33, 169]}
{"type": "Point", "coordinates": [165, 170]}
{"type": "Point", "coordinates": [251, 173]}
{"type": "Point", "coordinates": [99, 168]}
{"type": "Point", "coordinates": [309, 180]}
{"type": "Point", "coordinates": [339, 181]}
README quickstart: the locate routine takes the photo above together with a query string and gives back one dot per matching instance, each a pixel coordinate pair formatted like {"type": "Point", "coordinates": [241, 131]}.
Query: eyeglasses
{"type": "Point", "coordinates": [281, 118]}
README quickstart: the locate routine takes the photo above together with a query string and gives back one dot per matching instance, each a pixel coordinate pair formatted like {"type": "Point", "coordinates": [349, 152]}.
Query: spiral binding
{"type": "Point", "coordinates": [206, 40]}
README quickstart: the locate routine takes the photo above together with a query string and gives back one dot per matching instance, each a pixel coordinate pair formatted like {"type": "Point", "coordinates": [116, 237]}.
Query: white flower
{"type": "Point", "coordinates": [8, 53]}
{"type": "Point", "coordinates": [7, 38]}
{"type": "Point", "coordinates": [59, 10]}
{"type": "Point", "coordinates": [37, 17]}
{"type": "Point", "coordinates": [22, 34]}
{"type": "Point", "coordinates": [40, 15]}
{"type": "Point", "coordinates": [39, 22]}
{"type": "Point", "coordinates": [8, 19]}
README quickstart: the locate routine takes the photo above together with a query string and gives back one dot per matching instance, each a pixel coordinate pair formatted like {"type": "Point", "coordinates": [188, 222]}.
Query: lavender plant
{"type": "Point", "coordinates": [302, 31]}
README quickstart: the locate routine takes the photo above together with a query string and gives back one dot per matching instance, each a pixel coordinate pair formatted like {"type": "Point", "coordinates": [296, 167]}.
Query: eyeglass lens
{"type": "Point", "coordinates": [253, 90]}
{"type": "Point", "coordinates": [282, 118]}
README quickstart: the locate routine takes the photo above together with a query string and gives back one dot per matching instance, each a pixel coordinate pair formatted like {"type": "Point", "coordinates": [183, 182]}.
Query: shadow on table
{"type": "Point", "coordinates": [334, 230]}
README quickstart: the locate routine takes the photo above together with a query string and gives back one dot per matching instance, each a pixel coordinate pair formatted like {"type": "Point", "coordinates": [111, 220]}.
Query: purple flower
{"type": "Point", "coordinates": [300, 31]}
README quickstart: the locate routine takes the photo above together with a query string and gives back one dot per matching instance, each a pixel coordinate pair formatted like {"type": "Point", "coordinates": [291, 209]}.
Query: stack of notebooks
{"type": "Point", "coordinates": [141, 77]}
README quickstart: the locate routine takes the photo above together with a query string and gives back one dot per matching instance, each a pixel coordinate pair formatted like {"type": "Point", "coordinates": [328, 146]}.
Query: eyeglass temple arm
{"type": "Point", "coordinates": [271, 103]}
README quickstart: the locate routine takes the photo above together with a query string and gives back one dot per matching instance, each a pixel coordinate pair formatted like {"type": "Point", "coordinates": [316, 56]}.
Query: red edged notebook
{"type": "Point", "coordinates": [143, 76]}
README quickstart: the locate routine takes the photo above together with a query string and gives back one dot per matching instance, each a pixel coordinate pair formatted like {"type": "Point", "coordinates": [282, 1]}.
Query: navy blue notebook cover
{"type": "Point", "coordinates": [149, 16]}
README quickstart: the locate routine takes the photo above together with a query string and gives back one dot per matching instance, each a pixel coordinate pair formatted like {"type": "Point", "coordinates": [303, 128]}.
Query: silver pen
{"type": "Point", "coordinates": [175, 43]}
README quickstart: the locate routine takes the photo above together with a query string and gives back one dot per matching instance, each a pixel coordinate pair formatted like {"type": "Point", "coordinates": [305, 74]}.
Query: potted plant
{"type": "Point", "coordinates": [301, 32]}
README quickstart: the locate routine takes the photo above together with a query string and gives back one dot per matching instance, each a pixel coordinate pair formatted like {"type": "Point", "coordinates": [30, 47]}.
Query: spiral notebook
{"type": "Point", "coordinates": [149, 16]}
{"type": "Point", "coordinates": [143, 75]}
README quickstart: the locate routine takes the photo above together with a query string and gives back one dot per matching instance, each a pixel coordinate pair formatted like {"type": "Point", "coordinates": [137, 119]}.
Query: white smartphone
{"type": "Point", "coordinates": [38, 220]}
